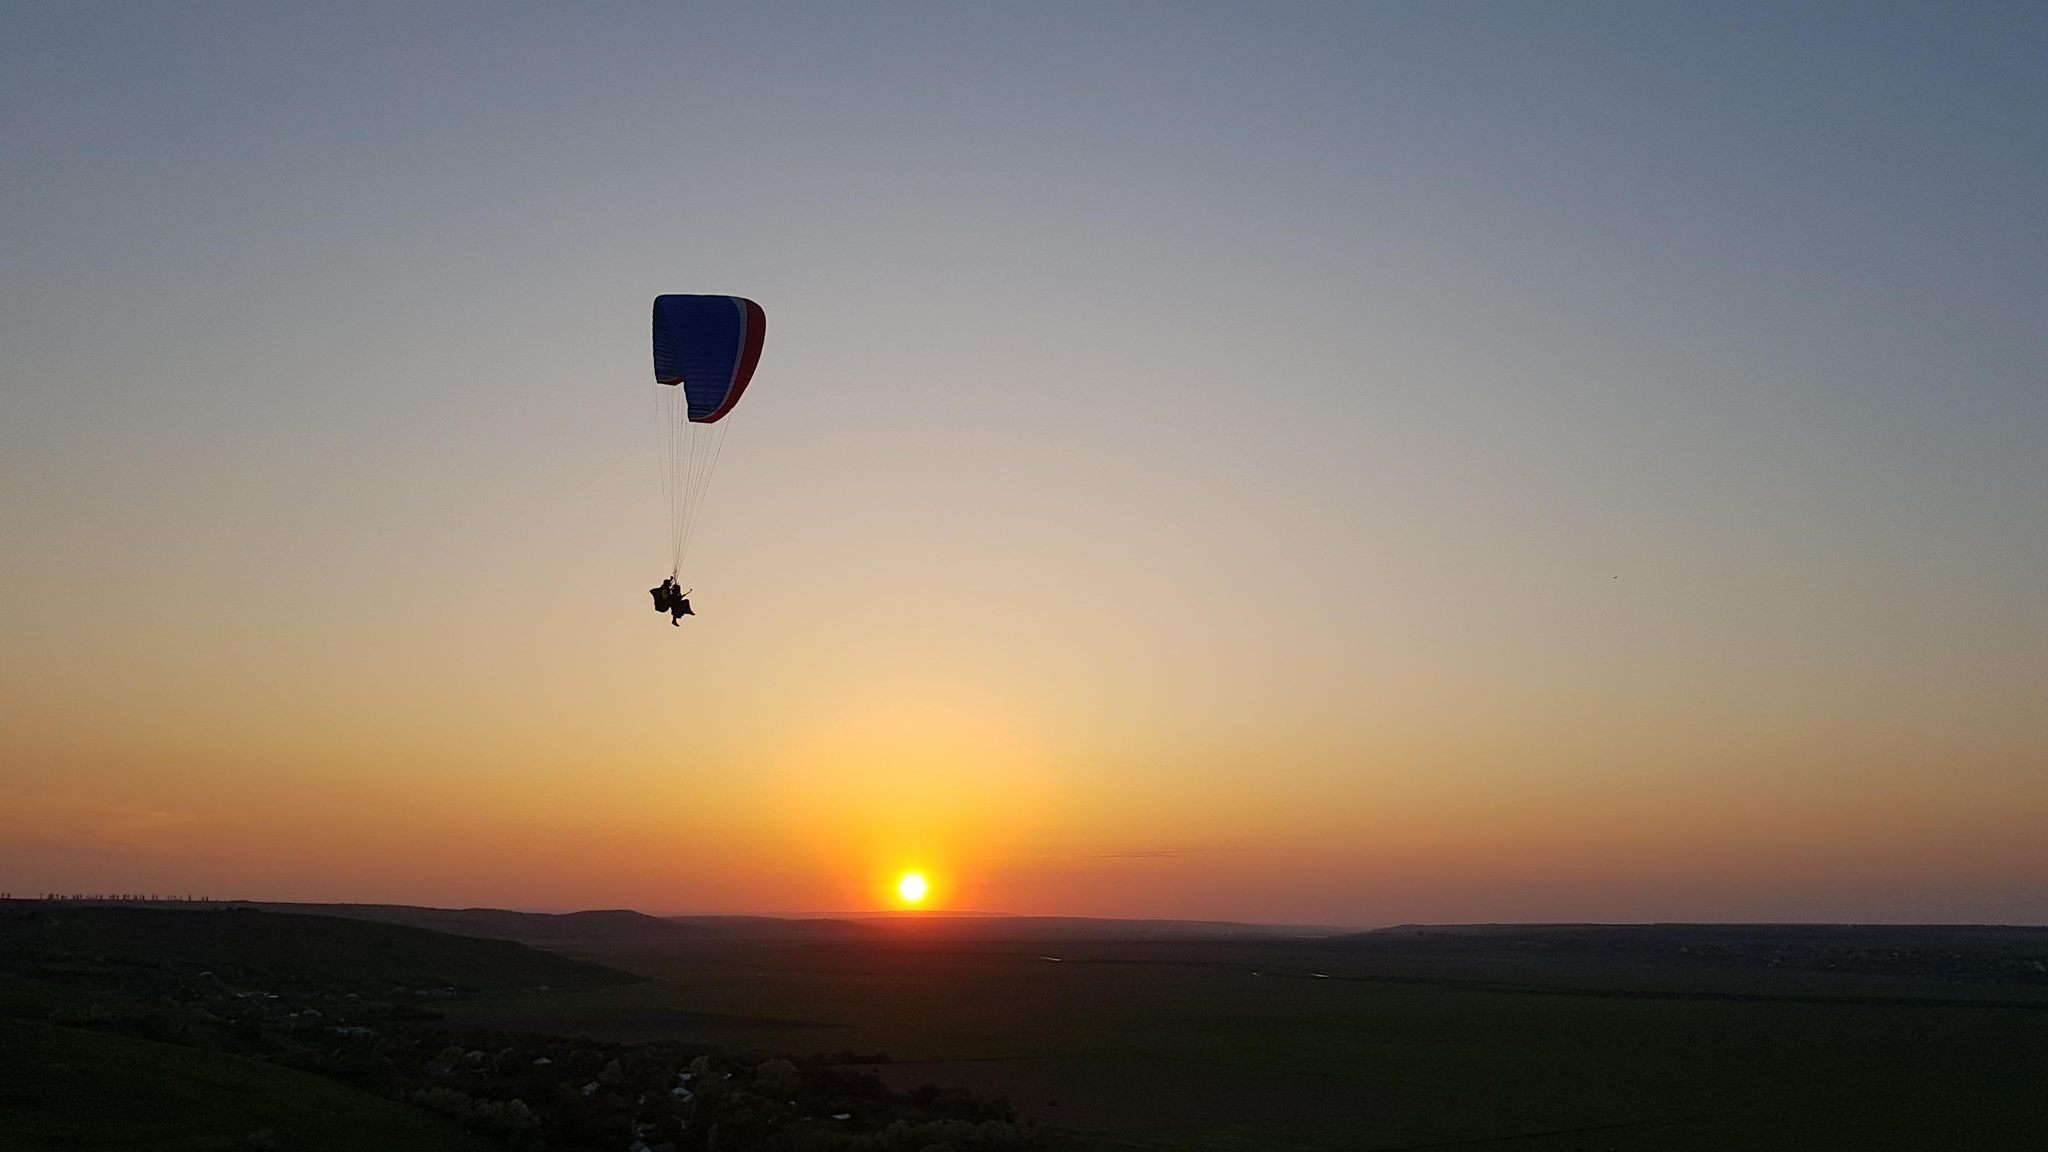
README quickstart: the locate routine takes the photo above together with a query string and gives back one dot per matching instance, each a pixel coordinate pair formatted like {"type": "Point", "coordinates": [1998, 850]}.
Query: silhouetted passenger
{"type": "Point", "coordinates": [679, 606]}
{"type": "Point", "coordinates": [666, 595]}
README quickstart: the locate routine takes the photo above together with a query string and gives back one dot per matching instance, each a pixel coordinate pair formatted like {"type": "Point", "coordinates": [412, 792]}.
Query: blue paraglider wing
{"type": "Point", "coordinates": [709, 345]}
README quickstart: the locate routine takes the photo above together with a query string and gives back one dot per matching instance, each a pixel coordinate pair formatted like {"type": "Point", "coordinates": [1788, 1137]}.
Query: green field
{"type": "Point", "coordinates": [1238, 1045]}
{"type": "Point", "coordinates": [117, 967]}
{"type": "Point", "coordinates": [62, 1089]}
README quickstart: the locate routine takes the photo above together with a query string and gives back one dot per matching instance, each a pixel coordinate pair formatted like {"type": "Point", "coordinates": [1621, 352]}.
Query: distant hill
{"type": "Point", "coordinates": [941, 925]}
{"type": "Point", "coordinates": [2013, 956]}
{"type": "Point", "coordinates": [1691, 939]}
{"type": "Point", "coordinates": [772, 928]}
{"type": "Point", "coordinates": [550, 929]}
{"type": "Point", "coordinates": [610, 929]}
{"type": "Point", "coordinates": [32, 933]}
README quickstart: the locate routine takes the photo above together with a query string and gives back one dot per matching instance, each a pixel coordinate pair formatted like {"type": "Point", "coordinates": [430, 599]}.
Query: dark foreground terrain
{"type": "Point", "coordinates": [133, 1028]}
{"type": "Point", "coordinates": [1103, 1036]}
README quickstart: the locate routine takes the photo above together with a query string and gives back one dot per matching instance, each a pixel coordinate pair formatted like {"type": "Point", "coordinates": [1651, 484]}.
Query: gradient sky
{"type": "Point", "coordinates": [1334, 463]}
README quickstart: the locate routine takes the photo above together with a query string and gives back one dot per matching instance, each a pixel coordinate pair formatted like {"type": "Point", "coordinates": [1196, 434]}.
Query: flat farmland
{"type": "Point", "coordinates": [1490, 1041]}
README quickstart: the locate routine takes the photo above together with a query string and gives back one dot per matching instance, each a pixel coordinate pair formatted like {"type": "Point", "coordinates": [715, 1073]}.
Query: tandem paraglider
{"type": "Point", "coordinates": [705, 350]}
{"type": "Point", "coordinates": [672, 600]}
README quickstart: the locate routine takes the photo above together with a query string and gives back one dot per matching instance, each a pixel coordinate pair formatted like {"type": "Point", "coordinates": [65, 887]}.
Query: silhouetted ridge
{"type": "Point", "coordinates": [552, 928]}
{"type": "Point", "coordinates": [32, 933]}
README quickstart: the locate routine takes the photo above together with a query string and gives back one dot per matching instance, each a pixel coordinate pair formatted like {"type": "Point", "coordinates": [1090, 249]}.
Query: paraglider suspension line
{"type": "Point", "coordinates": [689, 457]}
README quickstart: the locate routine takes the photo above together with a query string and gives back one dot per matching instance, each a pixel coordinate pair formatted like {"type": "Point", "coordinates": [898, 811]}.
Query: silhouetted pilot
{"type": "Point", "coordinates": [672, 600]}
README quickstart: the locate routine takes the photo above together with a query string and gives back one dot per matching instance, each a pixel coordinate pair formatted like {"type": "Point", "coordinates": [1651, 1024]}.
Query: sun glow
{"type": "Point", "coordinates": [911, 887]}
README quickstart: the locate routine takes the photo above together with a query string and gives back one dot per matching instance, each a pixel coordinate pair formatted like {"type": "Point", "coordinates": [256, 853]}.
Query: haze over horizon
{"type": "Point", "coordinates": [1291, 464]}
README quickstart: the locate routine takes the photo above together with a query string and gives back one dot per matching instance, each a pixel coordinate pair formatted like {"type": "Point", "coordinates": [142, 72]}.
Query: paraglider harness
{"type": "Point", "coordinates": [672, 600]}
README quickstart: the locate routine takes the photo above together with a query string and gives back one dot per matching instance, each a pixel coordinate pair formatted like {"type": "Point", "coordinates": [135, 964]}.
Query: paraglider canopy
{"type": "Point", "coordinates": [709, 346]}
{"type": "Point", "coordinates": [705, 350]}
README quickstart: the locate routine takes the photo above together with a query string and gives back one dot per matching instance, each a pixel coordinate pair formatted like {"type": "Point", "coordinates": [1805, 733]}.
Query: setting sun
{"type": "Point", "coordinates": [911, 887]}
